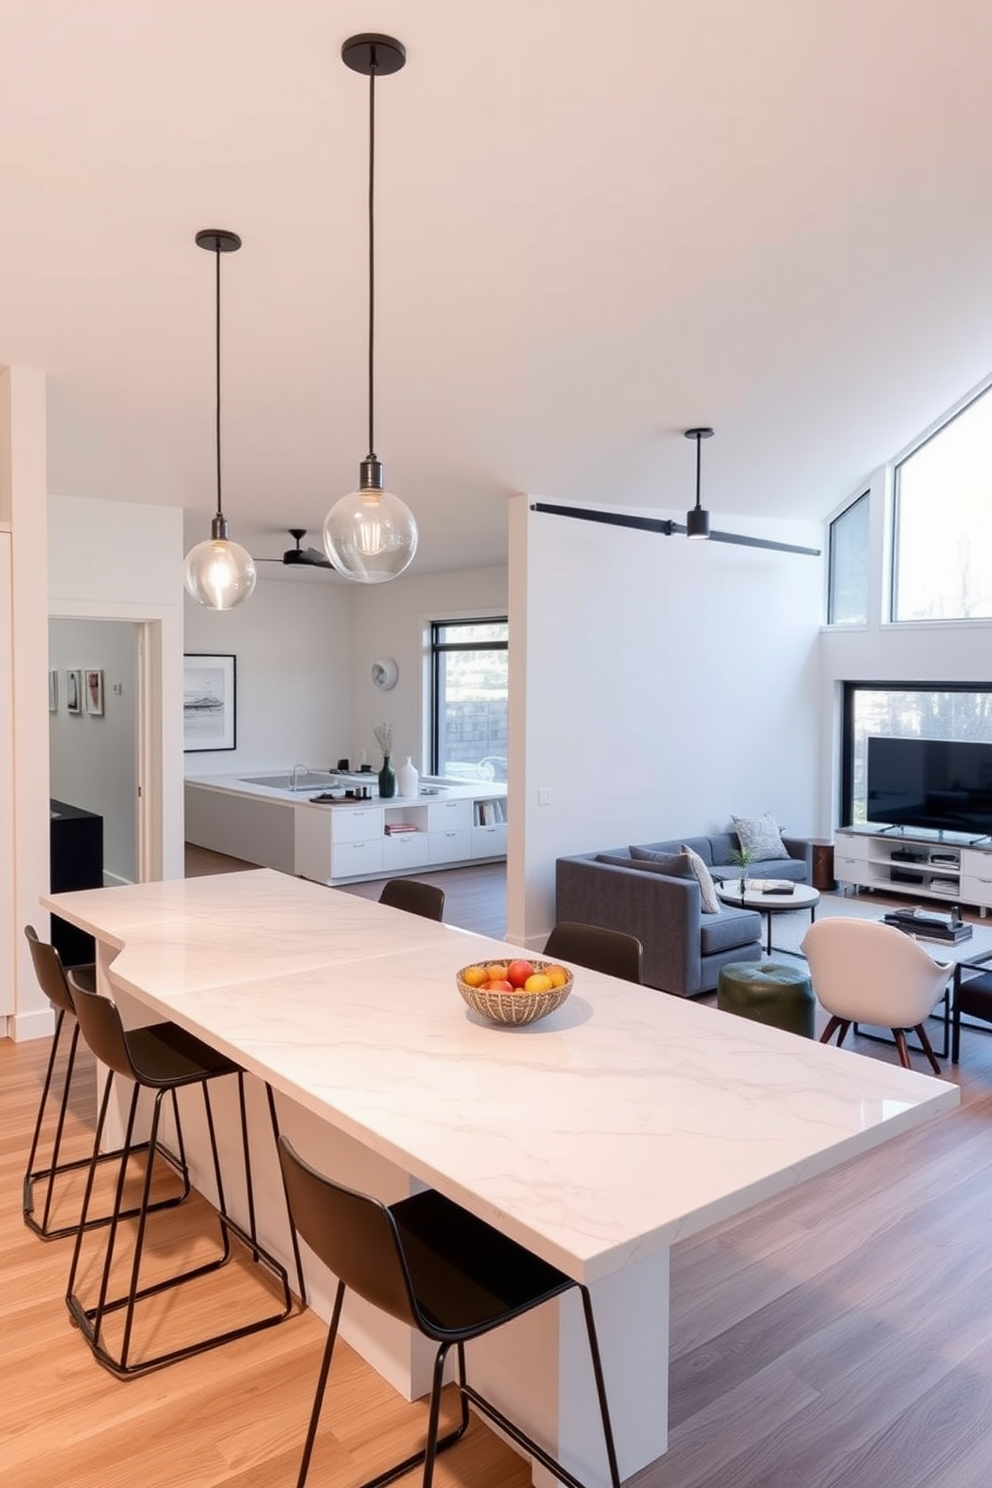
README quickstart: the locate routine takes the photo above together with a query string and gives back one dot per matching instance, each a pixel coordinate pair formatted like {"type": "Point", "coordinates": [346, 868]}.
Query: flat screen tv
{"type": "Point", "coordinates": [936, 784]}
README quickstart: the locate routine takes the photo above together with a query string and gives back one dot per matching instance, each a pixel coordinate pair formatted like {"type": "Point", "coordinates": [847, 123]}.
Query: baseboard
{"type": "Point", "coordinates": [40, 1023]}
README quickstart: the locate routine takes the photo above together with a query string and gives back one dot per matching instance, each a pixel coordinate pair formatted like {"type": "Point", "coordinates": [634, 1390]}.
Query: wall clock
{"type": "Point", "coordinates": [385, 673]}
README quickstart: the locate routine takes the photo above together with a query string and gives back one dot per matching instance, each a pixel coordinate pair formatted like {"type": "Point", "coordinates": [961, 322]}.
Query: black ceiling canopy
{"type": "Point", "coordinates": [300, 557]}
{"type": "Point", "coordinates": [696, 525]}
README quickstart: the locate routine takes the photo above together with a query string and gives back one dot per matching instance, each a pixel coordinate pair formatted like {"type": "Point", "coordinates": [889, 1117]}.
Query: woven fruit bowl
{"type": "Point", "coordinates": [518, 1006]}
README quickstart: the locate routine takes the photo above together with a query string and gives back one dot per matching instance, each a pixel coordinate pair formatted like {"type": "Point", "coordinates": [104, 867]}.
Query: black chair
{"type": "Point", "coordinates": [971, 997]}
{"type": "Point", "coordinates": [50, 972]}
{"type": "Point", "coordinates": [417, 898]}
{"type": "Point", "coordinates": [609, 951]}
{"type": "Point", "coordinates": [434, 1266]}
{"type": "Point", "coordinates": [163, 1058]}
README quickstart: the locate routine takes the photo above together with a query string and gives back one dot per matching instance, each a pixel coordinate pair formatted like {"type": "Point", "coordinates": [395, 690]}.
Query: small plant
{"type": "Point", "coordinates": [742, 857]}
{"type": "Point", "coordinates": [383, 735]}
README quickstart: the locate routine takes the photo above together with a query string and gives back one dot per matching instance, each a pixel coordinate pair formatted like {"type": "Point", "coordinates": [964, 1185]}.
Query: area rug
{"type": "Point", "coordinates": [789, 926]}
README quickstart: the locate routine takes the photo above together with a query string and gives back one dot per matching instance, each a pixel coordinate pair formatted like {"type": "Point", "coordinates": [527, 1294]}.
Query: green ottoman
{"type": "Point", "coordinates": [768, 993]}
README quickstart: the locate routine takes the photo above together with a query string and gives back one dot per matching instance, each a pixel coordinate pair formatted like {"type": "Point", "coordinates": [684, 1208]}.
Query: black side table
{"type": "Point", "coordinates": [971, 996]}
{"type": "Point", "coordinates": [76, 845]}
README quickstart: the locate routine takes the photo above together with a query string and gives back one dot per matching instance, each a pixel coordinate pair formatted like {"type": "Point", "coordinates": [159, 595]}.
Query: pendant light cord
{"type": "Point", "coordinates": [372, 455]}
{"type": "Point", "coordinates": [220, 509]}
{"type": "Point", "coordinates": [699, 448]}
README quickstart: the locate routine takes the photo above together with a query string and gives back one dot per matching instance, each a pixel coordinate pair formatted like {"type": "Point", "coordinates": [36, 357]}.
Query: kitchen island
{"type": "Point", "coordinates": [598, 1137]}
{"type": "Point", "coordinates": [262, 820]}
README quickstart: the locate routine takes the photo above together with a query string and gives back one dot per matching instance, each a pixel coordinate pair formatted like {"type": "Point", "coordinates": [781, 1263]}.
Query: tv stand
{"type": "Point", "coordinates": [949, 867]}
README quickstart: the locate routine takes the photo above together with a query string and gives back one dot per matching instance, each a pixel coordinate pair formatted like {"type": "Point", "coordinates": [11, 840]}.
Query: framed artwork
{"type": "Point", "coordinates": [53, 692]}
{"type": "Point", "coordinates": [94, 693]}
{"type": "Point", "coordinates": [209, 703]}
{"type": "Point", "coordinates": [74, 692]}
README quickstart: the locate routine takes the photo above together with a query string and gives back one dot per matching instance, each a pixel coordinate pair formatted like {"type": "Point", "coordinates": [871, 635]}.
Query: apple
{"type": "Point", "coordinates": [538, 983]}
{"type": "Point", "coordinates": [500, 986]}
{"type": "Point", "coordinates": [518, 971]}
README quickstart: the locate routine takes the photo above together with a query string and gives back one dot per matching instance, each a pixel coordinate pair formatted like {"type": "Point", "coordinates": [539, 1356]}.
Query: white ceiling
{"type": "Point", "coordinates": [598, 224]}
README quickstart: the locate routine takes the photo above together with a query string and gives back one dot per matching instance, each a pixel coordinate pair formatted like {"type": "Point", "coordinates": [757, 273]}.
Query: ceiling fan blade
{"type": "Point", "coordinates": [611, 519]}
{"type": "Point", "coordinates": [665, 526]}
{"type": "Point", "coordinates": [316, 558]}
{"type": "Point", "coordinates": [761, 542]}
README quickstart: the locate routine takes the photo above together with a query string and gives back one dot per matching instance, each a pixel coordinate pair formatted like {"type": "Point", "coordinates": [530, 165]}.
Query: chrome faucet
{"type": "Point", "coordinates": [294, 779]}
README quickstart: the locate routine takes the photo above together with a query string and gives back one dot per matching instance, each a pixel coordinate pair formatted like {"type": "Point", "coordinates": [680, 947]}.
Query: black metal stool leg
{"type": "Point", "coordinates": [297, 1256]}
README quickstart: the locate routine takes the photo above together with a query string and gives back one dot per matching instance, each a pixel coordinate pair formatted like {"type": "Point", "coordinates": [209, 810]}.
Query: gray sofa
{"type": "Point", "coordinates": [684, 948]}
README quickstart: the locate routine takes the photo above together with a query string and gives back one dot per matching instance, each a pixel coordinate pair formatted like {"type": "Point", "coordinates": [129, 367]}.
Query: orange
{"type": "Point", "coordinates": [474, 976]}
{"type": "Point", "coordinates": [496, 971]}
{"type": "Point", "coordinates": [557, 975]}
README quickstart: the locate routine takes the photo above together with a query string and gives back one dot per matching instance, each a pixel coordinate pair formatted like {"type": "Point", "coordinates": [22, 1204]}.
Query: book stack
{"type": "Point", "coordinates": [945, 928]}
{"type": "Point", "coordinates": [395, 829]}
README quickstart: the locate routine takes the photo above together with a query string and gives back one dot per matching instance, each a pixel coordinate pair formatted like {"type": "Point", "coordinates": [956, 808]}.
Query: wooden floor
{"type": "Point", "coordinates": [837, 1337]}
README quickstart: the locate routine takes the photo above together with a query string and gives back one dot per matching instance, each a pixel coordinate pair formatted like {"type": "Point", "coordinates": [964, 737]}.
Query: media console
{"type": "Point", "coordinates": [927, 865]}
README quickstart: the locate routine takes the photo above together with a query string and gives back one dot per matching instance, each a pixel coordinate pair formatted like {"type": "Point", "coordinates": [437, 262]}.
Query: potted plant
{"type": "Point", "coordinates": [742, 857]}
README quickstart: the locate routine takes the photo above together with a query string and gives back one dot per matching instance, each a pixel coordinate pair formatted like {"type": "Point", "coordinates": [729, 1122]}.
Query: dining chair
{"type": "Point", "coordinates": [415, 897]}
{"type": "Point", "coordinates": [866, 972]}
{"type": "Point", "coordinates": [162, 1060]}
{"type": "Point", "coordinates": [609, 951]}
{"type": "Point", "coordinates": [435, 1266]}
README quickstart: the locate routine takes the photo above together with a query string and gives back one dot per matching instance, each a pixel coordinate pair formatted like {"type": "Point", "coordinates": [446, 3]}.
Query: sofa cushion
{"type": "Point", "coordinates": [760, 836]}
{"type": "Point", "coordinates": [676, 865]}
{"type": "Point", "coordinates": [709, 903]}
{"type": "Point", "coordinates": [728, 930]}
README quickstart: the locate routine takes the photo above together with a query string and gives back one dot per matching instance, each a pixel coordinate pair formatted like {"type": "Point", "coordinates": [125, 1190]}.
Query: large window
{"type": "Point", "coordinates": [469, 698]}
{"type": "Point", "coordinates": [943, 526]}
{"type": "Point", "coordinates": [847, 597]}
{"type": "Point", "coordinates": [898, 711]}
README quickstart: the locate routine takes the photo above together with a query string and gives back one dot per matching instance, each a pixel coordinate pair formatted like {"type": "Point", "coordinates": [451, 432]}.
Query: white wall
{"type": "Point", "coordinates": [293, 643]}
{"type": "Point", "coordinates": [93, 759]}
{"type": "Point", "coordinates": [664, 686]}
{"type": "Point", "coordinates": [392, 620]}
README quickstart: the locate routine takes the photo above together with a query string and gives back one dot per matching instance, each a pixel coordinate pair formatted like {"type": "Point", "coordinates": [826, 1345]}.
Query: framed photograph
{"type": "Point", "coordinates": [74, 692]}
{"type": "Point", "coordinates": [94, 693]}
{"type": "Point", "coordinates": [209, 703]}
{"type": "Point", "coordinates": [53, 692]}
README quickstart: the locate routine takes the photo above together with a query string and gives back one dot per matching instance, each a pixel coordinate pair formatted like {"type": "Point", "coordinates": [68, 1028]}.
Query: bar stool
{"type": "Point", "coordinates": [51, 977]}
{"type": "Point", "coordinates": [434, 1266]}
{"type": "Point", "coordinates": [163, 1058]}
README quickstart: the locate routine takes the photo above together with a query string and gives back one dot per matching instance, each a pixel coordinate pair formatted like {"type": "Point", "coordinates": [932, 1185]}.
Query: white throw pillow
{"type": "Point", "coordinates": [707, 891]}
{"type": "Point", "coordinates": [760, 835]}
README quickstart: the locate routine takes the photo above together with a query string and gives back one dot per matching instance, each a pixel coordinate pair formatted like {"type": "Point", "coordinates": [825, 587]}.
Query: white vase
{"type": "Point", "coordinates": [407, 778]}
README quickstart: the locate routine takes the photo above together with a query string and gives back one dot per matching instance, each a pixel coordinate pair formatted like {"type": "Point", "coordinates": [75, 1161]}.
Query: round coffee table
{"type": "Point", "coordinates": [802, 897]}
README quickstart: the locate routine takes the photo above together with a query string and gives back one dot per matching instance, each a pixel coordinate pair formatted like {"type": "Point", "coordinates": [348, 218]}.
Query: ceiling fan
{"type": "Point", "coordinates": [300, 557]}
{"type": "Point", "coordinates": [697, 519]}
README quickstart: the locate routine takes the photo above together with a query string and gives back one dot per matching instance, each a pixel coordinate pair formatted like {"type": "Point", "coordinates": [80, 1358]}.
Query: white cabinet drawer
{"type": "Point", "coordinates": [847, 848]}
{"type": "Point", "coordinates": [975, 890]}
{"type": "Point", "coordinates": [405, 850]}
{"type": "Point", "coordinates": [489, 842]}
{"type": "Point", "coordinates": [446, 816]}
{"type": "Point", "coordinates": [450, 847]}
{"type": "Point", "coordinates": [349, 858]}
{"type": "Point", "coordinates": [355, 823]}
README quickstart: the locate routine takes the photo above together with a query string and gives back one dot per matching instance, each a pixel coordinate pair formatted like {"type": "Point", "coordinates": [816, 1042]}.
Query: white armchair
{"type": "Point", "coordinates": [864, 972]}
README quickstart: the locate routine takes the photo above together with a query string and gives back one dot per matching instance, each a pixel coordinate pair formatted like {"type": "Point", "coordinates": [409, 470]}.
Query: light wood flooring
{"type": "Point", "coordinates": [837, 1337]}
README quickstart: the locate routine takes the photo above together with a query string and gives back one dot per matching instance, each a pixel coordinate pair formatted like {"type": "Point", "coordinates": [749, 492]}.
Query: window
{"type": "Point", "coordinates": [906, 711]}
{"type": "Point", "coordinates": [943, 526]}
{"type": "Point", "coordinates": [847, 588]}
{"type": "Point", "coordinates": [469, 698]}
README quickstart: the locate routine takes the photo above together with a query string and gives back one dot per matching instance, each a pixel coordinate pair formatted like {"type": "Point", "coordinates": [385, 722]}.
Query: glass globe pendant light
{"type": "Point", "coordinates": [219, 573]}
{"type": "Point", "coordinates": [370, 535]}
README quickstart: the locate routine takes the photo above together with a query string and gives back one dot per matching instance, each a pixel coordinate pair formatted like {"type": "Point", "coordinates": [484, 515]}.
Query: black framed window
{"type": "Point", "coordinates": [469, 696]}
{"type": "Point", "coordinates": [847, 585]}
{"type": "Point", "coordinates": [905, 710]}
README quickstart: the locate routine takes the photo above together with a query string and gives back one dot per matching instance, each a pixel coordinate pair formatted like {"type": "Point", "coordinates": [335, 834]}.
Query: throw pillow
{"type": "Point", "coordinates": [676, 865]}
{"type": "Point", "coordinates": [760, 835]}
{"type": "Point", "coordinates": [707, 891]}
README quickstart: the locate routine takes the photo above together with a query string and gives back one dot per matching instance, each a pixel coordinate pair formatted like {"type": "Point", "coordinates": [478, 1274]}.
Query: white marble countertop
{"type": "Point", "coordinates": [625, 1120]}
{"type": "Point", "coordinates": [451, 790]}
